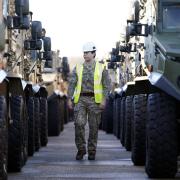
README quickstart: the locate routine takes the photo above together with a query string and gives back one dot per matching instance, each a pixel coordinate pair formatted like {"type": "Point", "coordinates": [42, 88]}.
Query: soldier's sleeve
{"type": "Point", "coordinates": [106, 82]}
{"type": "Point", "coordinates": [72, 83]}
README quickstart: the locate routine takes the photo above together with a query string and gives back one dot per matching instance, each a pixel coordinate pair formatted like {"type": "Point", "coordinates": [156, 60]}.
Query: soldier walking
{"type": "Point", "coordinates": [88, 87]}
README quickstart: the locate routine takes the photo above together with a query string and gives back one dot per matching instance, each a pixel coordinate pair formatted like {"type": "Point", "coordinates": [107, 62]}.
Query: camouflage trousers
{"type": "Point", "coordinates": [86, 110]}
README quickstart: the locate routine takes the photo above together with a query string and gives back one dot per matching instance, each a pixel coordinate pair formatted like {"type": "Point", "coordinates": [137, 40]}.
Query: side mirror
{"type": "Point", "coordinates": [134, 29]}
{"type": "Point", "coordinates": [47, 43]}
{"type": "Point", "coordinates": [36, 30]}
{"type": "Point", "coordinates": [136, 11]}
{"type": "Point", "coordinates": [124, 49]}
{"type": "Point", "coordinates": [117, 44]}
{"type": "Point", "coordinates": [65, 65]}
{"type": "Point", "coordinates": [131, 30]}
{"type": "Point", "coordinates": [18, 22]}
{"type": "Point", "coordinates": [127, 34]}
{"type": "Point", "coordinates": [22, 7]}
{"type": "Point", "coordinates": [132, 47]}
{"type": "Point", "coordinates": [122, 58]}
{"type": "Point", "coordinates": [142, 29]}
{"type": "Point", "coordinates": [48, 64]}
{"type": "Point", "coordinates": [115, 51]}
{"type": "Point", "coordinates": [21, 19]}
{"type": "Point", "coordinates": [47, 55]}
{"type": "Point", "coordinates": [33, 44]}
{"type": "Point", "coordinates": [117, 58]}
{"type": "Point", "coordinates": [64, 60]}
{"type": "Point", "coordinates": [112, 65]}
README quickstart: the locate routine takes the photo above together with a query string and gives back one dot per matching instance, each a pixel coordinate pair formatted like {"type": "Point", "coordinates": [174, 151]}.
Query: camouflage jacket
{"type": "Point", "coordinates": [88, 80]}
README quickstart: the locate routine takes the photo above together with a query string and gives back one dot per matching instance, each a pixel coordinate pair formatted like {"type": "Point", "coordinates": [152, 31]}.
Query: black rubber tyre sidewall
{"type": "Point", "coordinates": [162, 137]}
{"type": "Point", "coordinates": [139, 129]}
{"type": "Point", "coordinates": [4, 138]}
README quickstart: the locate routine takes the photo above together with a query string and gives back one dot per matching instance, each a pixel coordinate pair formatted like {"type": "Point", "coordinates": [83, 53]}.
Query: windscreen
{"type": "Point", "coordinates": [171, 20]}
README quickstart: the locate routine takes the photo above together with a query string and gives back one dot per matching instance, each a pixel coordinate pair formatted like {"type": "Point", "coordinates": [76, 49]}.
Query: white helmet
{"type": "Point", "coordinates": [89, 46]}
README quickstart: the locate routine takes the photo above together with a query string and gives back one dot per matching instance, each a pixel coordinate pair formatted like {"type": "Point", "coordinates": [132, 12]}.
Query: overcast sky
{"type": "Point", "coordinates": [71, 23]}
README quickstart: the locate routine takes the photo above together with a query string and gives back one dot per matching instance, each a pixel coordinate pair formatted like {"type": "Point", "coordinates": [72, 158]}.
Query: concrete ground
{"type": "Point", "coordinates": [57, 161]}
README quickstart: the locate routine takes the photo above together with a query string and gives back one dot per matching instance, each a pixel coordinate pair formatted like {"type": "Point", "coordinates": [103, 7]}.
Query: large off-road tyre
{"type": "Point", "coordinates": [54, 124]}
{"type": "Point", "coordinates": [44, 121]}
{"type": "Point", "coordinates": [103, 120]}
{"type": "Point", "coordinates": [15, 137]}
{"type": "Point", "coordinates": [66, 111]}
{"type": "Point", "coordinates": [25, 133]}
{"type": "Point", "coordinates": [128, 119]}
{"type": "Point", "coordinates": [3, 138]}
{"type": "Point", "coordinates": [118, 106]}
{"type": "Point", "coordinates": [115, 118]}
{"type": "Point", "coordinates": [37, 123]}
{"type": "Point", "coordinates": [108, 116]}
{"type": "Point", "coordinates": [31, 126]}
{"type": "Point", "coordinates": [122, 121]}
{"type": "Point", "coordinates": [162, 141]}
{"type": "Point", "coordinates": [139, 130]}
{"type": "Point", "coordinates": [62, 114]}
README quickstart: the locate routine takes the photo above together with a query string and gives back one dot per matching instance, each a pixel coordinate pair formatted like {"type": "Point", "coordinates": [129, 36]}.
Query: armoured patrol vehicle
{"type": "Point", "coordinates": [24, 52]}
{"type": "Point", "coordinates": [152, 90]}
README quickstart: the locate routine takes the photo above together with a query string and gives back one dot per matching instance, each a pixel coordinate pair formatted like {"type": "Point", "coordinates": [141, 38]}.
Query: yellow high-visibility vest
{"type": "Point", "coordinates": [98, 88]}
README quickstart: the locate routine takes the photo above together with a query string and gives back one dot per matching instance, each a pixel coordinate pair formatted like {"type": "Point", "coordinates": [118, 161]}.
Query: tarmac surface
{"type": "Point", "coordinates": [57, 161]}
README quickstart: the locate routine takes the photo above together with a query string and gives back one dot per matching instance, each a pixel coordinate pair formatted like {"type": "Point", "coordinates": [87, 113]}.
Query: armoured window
{"type": "Point", "coordinates": [171, 16]}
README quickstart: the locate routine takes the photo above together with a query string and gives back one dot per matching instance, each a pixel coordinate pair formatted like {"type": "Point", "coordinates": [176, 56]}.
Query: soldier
{"type": "Point", "coordinates": [89, 87]}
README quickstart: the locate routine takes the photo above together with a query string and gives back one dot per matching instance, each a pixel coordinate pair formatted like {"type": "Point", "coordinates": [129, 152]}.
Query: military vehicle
{"type": "Point", "coordinates": [15, 20]}
{"type": "Point", "coordinates": [150, 88]}
{"type": "Point", "coordinates": [24, 52]}
{"type": "Point", "coordinates": [55, 78]}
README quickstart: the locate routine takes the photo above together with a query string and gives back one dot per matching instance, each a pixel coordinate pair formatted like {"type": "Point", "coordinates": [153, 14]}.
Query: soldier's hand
{"type": "Point", "coordinates": [70, 104]}
{"type": "Point", "coordinates": [103, 104]}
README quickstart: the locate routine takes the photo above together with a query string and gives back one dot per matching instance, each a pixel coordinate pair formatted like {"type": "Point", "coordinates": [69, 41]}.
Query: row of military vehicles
{"type": "Point", "coordinates": [147, 101]}
{"type": "Point", "coordinates": [28, 76]}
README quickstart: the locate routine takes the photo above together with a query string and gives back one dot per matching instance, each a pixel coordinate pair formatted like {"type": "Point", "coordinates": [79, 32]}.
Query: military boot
{"type": "Point", "coordinates": [91, 155]}
{"type": "Point", "coordinates": [80, 154]}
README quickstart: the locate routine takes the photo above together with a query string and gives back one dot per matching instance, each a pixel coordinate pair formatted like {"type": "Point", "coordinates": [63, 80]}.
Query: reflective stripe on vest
{"type": "Point", "coordinates": [98, 88]}
{"type": "Point", "coordinates": [79, 72]}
